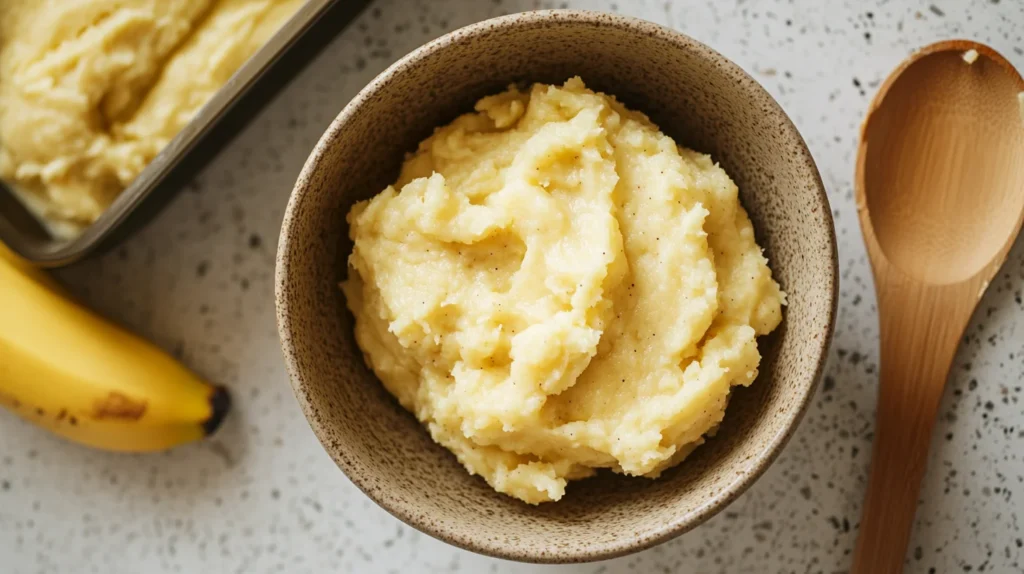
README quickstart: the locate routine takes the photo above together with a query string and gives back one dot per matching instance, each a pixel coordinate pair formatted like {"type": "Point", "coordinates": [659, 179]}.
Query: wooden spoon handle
{"type": "Point", "coordinates": [919, 341]}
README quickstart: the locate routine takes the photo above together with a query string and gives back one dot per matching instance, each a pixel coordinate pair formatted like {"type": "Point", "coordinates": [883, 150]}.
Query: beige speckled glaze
{"type": "Point", "coordinates": [695, 95]}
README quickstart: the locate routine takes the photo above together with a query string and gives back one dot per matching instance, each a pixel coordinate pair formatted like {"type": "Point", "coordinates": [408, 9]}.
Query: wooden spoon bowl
{"type": "Point", "coordinates": [940, 196]}
{"type": "Point", "coordinates": [941, 169]}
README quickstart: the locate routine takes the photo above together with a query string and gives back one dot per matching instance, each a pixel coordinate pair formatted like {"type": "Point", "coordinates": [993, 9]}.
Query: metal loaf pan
{"type": "Point", "coordinates": [253, 85]}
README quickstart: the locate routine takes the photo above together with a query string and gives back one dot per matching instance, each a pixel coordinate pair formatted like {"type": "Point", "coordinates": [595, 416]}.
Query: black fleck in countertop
{"type": "Point", "coordinates": [264, 497]}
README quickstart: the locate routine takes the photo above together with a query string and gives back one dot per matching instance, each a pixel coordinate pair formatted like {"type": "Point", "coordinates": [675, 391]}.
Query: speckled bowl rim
{"type": "Point", "coordinates": [405, 510]}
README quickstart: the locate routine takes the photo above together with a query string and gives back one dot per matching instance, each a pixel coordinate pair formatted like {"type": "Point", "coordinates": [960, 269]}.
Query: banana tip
{"type": "Point", "coordinates": [220, 404]}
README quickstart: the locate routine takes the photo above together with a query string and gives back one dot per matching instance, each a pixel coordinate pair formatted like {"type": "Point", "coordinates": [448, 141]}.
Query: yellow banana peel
{"type": "Point", "coordinates": [68, 370]}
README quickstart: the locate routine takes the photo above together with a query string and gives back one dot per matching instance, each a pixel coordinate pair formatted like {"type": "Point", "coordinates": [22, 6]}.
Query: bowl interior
{"type": "Point", "coordinates": [694, 95]}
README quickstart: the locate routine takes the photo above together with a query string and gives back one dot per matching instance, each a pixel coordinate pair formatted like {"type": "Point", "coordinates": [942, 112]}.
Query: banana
{"type": "Point", "coordinates": [84, 378]}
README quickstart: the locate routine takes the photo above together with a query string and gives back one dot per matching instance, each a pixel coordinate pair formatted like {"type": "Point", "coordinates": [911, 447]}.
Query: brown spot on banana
{"type": "Point", "coordinates": [9, 401]}
{"type": "Point", "coordinates": [118, 406]}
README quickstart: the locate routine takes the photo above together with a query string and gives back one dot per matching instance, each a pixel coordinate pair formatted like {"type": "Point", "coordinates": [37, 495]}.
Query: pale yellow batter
{"type": "Point", "coordinates": [554, 286]}
{"type": "Point", "coordinates": [92, 90]}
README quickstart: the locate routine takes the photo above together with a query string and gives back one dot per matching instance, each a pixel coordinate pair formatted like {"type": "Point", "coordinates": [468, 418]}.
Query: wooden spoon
{"type": "Point", "coordinates": [940, 196]}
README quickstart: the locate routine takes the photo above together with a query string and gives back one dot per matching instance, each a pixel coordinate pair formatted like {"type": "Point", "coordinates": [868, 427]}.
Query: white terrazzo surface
{"type": "Point", "coordinates": [264, 497]}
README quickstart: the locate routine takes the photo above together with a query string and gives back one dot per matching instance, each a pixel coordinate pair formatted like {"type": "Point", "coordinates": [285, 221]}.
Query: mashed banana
{"type": "Point", "coordinates": [554, 286]}
{"type": "Point", "coordinates": [92, 90]}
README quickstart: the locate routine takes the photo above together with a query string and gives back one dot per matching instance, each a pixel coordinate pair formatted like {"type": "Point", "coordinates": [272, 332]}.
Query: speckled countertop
{"type": "Point", "coordinates": [264, 497]}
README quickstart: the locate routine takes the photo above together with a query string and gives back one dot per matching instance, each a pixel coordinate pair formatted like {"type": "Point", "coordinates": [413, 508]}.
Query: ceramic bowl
{"type": "Point", "coordinates": [695, 95]}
